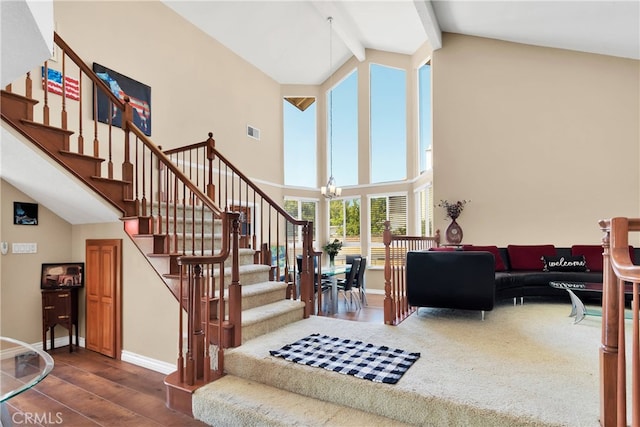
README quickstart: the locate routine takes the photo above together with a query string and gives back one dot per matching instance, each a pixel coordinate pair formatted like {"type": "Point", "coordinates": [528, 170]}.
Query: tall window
{"type": "Point", "coordinates": [424, 116]}
{"type": "Point", "coordinates": [300, 162]}
{"type": "Point", "coordinates": [424, 198]}
{"type": "Point", "coordinates": [344, 225]}
{"type": "Point", "coordinates": [392, 208]}
{"type": "Point", "coordinates": [388, 124]}
{"type": "Point", "coordinates": [344, 131]}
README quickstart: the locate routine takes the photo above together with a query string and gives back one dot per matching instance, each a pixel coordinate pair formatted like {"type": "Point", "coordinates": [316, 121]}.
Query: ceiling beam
{"type": "Point", "coordinates": [343, 26]}
{"type": "Point", "coordinates": [429, 22]}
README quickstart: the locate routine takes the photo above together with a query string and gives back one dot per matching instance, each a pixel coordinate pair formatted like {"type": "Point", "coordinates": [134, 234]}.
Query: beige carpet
{"type": "Point", "coordinates": [525, 365]}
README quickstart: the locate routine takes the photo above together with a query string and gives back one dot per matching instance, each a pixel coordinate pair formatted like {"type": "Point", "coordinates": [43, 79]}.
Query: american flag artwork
{"type": "Point", "coordinates": [54, 84]}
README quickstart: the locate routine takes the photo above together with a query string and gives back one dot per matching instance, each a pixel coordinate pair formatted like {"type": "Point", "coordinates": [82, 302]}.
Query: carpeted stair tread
{"type": "Point", "coordinates": [209, 252]}
{"type": "Point", "coordinates": [268, 311]}
{"type": "Point", "coordinates": [259, 288]}
{"type": "Point", "coordinates": [235, 401]}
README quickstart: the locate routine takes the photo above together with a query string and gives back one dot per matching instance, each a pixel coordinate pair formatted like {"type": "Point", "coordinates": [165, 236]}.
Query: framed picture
{"type": "Point", "coordinates": [62, 275]}
{"type": "Point", "coordinates": [25, 213]}
{"type": "Point", "coordinates": [139, 97]}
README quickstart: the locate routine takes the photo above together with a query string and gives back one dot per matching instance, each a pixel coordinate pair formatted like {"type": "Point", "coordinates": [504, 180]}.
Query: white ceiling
{"type": "Point", "coordinates": [289, 40]}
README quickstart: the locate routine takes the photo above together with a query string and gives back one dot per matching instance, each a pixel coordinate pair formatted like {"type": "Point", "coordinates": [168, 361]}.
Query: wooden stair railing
{"type": "Point", "coordinates": [133, 186]}
{"type": "Point", "coordinates": [204, 297]}
{"type": "Point", "coordinates": [618, 268]}
{"type": "Point", "coordinates": [396, 305]}
{"type": "Point", "coordinates": [265, 226]}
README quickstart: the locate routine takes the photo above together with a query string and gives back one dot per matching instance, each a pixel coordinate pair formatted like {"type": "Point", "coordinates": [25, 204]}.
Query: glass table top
{"type": "Point", "coordinates": [21, 367]}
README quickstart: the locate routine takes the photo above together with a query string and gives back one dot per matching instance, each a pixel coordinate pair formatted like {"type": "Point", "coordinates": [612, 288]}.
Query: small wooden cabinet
{"type": "Point", "coordinates": [59, 307]}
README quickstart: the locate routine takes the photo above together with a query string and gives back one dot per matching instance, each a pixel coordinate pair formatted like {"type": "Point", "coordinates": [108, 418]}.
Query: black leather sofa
{"type": "Point", "coordinates": [451, 278]}
{"type": "Point", "coordinates": [461, 280]}
{"type": "Point", "coordinates": [518, 284]}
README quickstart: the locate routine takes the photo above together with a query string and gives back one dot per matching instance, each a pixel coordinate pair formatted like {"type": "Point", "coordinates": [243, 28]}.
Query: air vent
{"type": "Point", "coordinates": [253, 132]}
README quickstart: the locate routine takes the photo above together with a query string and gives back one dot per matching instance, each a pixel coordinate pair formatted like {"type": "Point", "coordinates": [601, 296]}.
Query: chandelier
{"type": "Point", "coordinates": [330, 190]}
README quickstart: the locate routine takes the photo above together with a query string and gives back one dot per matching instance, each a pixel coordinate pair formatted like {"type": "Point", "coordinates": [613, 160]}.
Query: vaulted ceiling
{"type": "Point", "coordinates": [289, 40]}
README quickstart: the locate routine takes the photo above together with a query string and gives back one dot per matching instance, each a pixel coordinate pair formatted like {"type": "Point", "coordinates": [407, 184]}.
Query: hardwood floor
{"type": "Point", "coordinates": [372, 312]}
{"type": "Point", "coordinates": [88, 389]}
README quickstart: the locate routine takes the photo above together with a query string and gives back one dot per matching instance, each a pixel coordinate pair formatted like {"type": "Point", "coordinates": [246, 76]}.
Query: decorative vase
{"type": "Point", "coordinates": [454, 233]}
{"type": "Point", "coordinates": [332, 260]}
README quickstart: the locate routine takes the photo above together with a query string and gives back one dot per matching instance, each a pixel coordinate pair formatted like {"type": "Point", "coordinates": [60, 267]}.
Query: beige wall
{"type": "Point", "coordinates": [149, 309]}
{"type": "Point", "coordinates": [20, 299]}
{"type": "Point", "coordinates": [197, 85]}
{"type": "Point", "coordinates": [545, 142]}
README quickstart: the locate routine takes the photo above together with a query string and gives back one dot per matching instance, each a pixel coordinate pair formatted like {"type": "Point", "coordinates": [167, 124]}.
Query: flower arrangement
{"type": "Point", "coordinates": [454, 209]}
{"type": "Point", "coordinates": [332, 248]}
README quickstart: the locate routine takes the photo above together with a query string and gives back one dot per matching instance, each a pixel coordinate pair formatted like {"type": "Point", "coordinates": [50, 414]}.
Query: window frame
{"type": "Point", "coordinates": [372, 243]}
{"type": "Point", "coordinates": [347, 247]}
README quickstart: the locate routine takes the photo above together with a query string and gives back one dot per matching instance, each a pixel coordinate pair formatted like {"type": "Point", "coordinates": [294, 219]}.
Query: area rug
{"type": "Point", "coordinates": [350, 357]}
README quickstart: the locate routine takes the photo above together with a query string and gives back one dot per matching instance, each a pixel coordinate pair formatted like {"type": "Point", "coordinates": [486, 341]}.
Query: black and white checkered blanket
{"type": "Point", "coordinates": [350, 357]}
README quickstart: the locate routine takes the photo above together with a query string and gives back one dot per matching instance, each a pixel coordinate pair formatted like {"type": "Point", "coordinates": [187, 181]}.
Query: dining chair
{"type": "Point", "coordinates": [348, 259]}
{"type": "Point", "coordinates": [359, 283]}
{"type": "Point", "coordinates": [346, 285]}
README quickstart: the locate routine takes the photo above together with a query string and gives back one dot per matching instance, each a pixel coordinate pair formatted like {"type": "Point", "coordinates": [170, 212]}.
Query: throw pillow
{"type": "Point", "coordinates": [564, 263]}
{"type": "Point", "coordinates": [493, 249]}
{"type": "Point", "coordinates": [591, 253]}
{"type": "Point", "coordinates": [528, 257]}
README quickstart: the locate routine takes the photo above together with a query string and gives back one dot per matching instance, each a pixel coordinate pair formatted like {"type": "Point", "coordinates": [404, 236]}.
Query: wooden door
{"type": "Point", "coordinates": [103, 296]}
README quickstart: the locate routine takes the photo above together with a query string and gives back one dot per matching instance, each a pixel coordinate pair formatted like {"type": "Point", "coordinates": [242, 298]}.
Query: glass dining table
{"type": "Point", "coordinates": [332, 273]}
{"type": "Point", "coordinates": [21, 367]}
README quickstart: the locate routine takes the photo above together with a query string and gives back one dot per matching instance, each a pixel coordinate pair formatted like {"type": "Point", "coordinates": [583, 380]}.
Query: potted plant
{"type": "Point", "coordinates": [332, 249]}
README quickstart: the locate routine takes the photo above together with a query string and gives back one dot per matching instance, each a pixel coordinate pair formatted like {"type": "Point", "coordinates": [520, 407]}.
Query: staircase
{"type": "Point", "coordinates": [193, 231]}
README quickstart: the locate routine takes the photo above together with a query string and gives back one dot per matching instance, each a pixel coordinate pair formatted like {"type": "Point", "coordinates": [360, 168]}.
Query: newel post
{"type": "Point", "coordinates": [235, 292]}
{"type": "Point", "coordinates": [306, 275]}
{"type": "Point", "coordinates": [609, 344]}
{"type": "Point", "coordinates": [211, 156]}
{"type": "Point", "coordinates": [389, 314]}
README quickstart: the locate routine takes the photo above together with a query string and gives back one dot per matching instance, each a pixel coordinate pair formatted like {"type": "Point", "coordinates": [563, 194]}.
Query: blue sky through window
{"type": "Point", "coordinates": [345, 132]}
{"type": "Point", "coordinates": [388, 124]}
{"type": "Point", "coordinates": [300, 146]}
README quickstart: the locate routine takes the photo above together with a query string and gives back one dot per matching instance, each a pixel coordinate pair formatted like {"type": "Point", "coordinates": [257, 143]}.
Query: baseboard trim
{"type": "Point", "coordinates": [147, 362]}
{"type": "Point", "coordinates": [59, 342]}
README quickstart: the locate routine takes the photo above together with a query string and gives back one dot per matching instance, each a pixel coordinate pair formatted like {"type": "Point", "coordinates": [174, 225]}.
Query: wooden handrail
{"type": "Point", "coordinates": [618, 269]}
{"type": "Point", "coordinates": [232, 184]}
{"type": "Point", "coordinates": [87, 71]}
{"type": "Point", "coordinates": [396, 304]}
{"type": "Point", "coordinates": [256, 188]}
{"type": "Point", "coordinates": [173, 168]}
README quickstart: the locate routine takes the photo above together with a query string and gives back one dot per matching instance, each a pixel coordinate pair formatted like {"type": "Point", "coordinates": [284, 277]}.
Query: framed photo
{"type": "Point", "coordinates": [25, 213]}
{"type": "Point", "coordinates": [139, 97]}
{"type": "Point", "coordinates": [62, 275]}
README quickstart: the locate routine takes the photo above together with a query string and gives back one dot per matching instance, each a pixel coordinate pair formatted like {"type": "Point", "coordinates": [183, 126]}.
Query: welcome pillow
{"type": "Point", "coordinates": [564, 263]}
